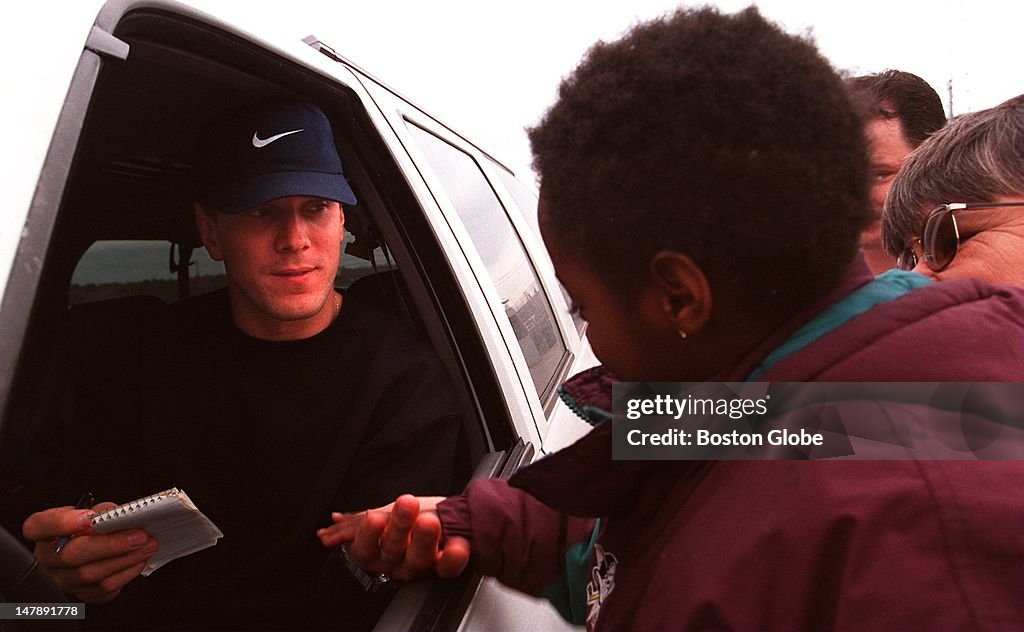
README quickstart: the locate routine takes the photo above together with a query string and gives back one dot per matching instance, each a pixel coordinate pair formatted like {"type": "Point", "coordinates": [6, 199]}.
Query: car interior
{"type": "Point", "coordinates": [129, 183]}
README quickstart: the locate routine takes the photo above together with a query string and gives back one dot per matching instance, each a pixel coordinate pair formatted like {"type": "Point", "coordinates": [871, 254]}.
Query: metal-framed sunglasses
{"type": "Point", "coordinates": [940, 237]}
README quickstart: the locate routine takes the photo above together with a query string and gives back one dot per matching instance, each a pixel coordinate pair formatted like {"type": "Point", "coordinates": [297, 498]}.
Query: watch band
{"type": "Point", "coordinates": [379, 582]}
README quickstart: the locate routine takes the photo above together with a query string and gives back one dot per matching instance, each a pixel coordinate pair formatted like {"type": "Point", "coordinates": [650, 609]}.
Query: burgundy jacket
{"type": "Point", "coordinates": [788, 545]}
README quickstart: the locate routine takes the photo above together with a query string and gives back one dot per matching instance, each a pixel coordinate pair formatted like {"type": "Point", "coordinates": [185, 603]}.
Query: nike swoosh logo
{"type": "Point", "coordinates": [258, 142]}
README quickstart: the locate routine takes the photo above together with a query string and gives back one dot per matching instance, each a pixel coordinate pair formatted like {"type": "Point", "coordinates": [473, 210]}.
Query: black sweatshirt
{"type": "Point", "coordinates": [267, 438]}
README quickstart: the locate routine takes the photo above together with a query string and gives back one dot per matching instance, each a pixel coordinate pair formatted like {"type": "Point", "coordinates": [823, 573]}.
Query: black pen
{"type": "Point", "coordinates": [84, 502]}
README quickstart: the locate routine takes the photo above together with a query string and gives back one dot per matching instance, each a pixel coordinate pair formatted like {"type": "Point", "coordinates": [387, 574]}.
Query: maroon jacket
{"type": "Point", "coordinates": [789, 545]}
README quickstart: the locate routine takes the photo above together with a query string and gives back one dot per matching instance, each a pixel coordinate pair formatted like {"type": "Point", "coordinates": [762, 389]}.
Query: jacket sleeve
{"type": "Point", "coordinates": [522, 542]}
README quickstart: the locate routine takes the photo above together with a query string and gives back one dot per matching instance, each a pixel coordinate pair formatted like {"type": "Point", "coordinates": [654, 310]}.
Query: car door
{"type": "Point", "coordinates": [519, 312]}
{"type": "Point", "coordinates": [115, 173]}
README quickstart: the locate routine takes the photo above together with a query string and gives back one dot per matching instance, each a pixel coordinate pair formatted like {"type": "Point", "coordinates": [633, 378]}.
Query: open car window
{"type": "Point", "coordinates": [112, 269]}
{"type": "Point", "coordinates": [117, 268]}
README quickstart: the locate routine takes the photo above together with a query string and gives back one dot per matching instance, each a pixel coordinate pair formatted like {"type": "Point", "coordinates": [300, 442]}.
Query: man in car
{"type": "Point", "coordinates": [271, 402]}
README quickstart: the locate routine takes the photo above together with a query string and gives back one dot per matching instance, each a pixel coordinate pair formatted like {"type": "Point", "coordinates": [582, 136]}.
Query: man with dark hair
{"type": "Point", "coordinates": [703, 191]}
{"type": "Point", "coordinates": [956, 209]}
{"type": "Point", "coordinates": [900, 110]}
{"type": "Point", "coordinates": [272, 403]}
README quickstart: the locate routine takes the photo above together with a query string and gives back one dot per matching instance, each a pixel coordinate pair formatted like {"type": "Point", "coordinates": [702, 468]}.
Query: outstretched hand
{"type": "Point", "coordinates": [401, 540]}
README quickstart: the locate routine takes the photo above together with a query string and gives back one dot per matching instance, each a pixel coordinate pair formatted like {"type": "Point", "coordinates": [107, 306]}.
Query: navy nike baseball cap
{"type": "Point", "coordinates": [251, 155]}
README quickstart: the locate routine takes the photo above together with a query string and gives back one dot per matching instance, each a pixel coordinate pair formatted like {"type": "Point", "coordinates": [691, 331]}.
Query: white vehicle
{"type": "Point", "coordinates": [97, 143]}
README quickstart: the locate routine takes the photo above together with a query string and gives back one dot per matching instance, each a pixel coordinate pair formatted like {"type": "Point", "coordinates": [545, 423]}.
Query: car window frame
{"type": "Point", "coordinates": [401, 115]}
{"type": "Point", "coordinates": [549, 378]}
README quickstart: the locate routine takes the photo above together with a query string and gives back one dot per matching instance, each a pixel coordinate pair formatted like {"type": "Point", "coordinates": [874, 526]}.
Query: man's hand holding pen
{"type": "Point", "coordinates": [85, 564]}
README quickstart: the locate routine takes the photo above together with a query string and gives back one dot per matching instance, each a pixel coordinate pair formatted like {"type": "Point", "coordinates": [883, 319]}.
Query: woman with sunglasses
{"type": "Point", "coordinates": [704, 185]}
{"type": "Point", "coordinates": [956, 208]}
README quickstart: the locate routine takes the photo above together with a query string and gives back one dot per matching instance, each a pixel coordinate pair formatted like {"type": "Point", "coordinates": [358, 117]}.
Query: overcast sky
{"type": "Point", "coordinates": [489, 68]}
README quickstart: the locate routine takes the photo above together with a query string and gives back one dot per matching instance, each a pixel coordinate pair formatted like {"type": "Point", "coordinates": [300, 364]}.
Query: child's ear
{"type": "Point", "coordinates": [684, 292]}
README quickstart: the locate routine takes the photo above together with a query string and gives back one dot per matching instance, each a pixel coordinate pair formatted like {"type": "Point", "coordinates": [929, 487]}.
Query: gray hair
{"type": "Point", "coordinates": [976, 158]}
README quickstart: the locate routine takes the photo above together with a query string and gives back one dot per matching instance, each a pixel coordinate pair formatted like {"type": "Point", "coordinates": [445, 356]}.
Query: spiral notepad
{"type": "Point", "coordinates": [169, 516]}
